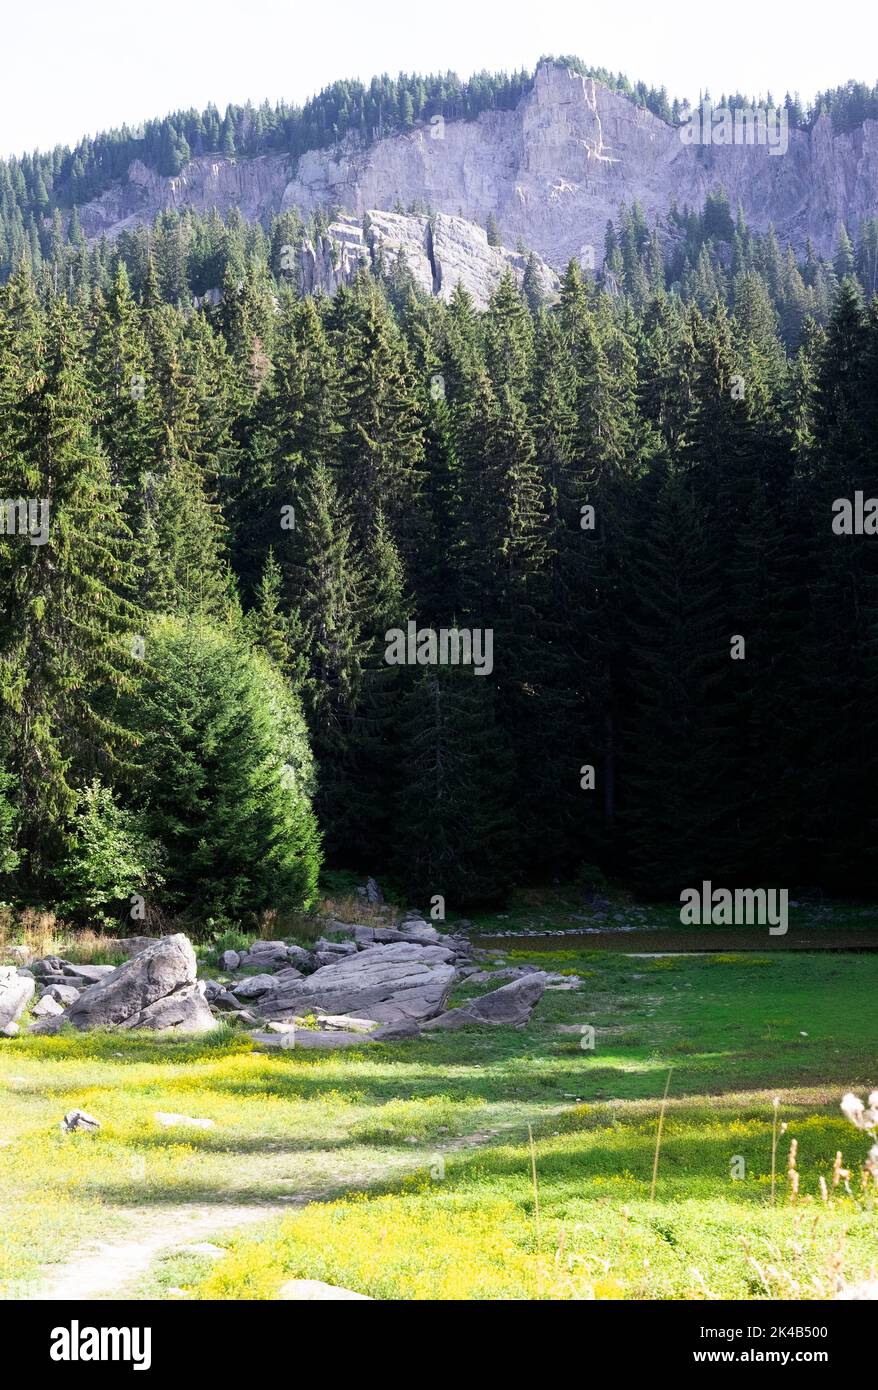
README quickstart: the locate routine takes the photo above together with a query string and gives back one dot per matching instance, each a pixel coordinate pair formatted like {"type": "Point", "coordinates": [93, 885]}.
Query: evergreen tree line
{"type": "Point", "coordinates": [32, 186]}
{"type": "Point", "coordinates": [246, 499]}
{"type": "Point", "coordinates": [698, 255]}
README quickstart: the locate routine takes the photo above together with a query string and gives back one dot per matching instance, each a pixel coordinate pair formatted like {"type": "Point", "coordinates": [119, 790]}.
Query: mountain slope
{"type": "Point", "coordinates": [552, 171]}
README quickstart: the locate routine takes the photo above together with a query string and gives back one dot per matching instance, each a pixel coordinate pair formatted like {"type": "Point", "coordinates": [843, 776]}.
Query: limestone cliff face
{"type": "Point", "coordinates": [256, 186]}
{"type": "Point", "coordinates": [552, 172]}
{"type": "Point", "coordinates": [440, 252]}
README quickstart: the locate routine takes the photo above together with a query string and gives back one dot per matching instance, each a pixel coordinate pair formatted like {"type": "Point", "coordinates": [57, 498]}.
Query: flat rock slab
{"type": "Point", "coordinates": [64, 994]}
{"type": "Point", "coordinates": [168, 1120]}
{"type": "Point", "coordinates": [312, 1290]}
{"type": "Point", "coordinates": [396, 1032]}
{"type": "Point", "coordinates": [346, 1023]}
{"type": "Point", "coordinates": [418, 932]}
{"type": "Point", "coordinates": [309, 1038]}
{"type": "Point", "coordinates": [385, 983]}
{"type": "Point", "coordinates": [91, 974]}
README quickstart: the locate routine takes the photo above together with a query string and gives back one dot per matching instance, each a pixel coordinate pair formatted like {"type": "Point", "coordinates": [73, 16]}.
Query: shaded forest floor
{"type": "Point", "coordinates": [431, 1138]}
{"type": "Point", "coordinates": [611, 920]}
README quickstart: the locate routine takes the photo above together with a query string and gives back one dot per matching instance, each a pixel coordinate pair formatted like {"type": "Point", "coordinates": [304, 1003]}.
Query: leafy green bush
{"type": "Point", "coordinates": [111, 856]}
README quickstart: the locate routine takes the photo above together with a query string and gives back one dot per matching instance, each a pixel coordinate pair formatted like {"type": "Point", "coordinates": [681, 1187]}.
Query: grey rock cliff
{"type": "Point", "coordinates": [552, 171]}
{"type": "Point", "coordinates": [441, 252]}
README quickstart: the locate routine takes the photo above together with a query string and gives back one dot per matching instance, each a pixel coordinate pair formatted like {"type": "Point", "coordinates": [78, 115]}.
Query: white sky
{"type": "Point", "coordinates": [73, 69]}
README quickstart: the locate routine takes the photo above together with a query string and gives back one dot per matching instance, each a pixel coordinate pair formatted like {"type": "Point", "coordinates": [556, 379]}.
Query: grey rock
{"type": "Point", "coordinates": [314, 1291]}
{"type": "Point", "coordinates": [62, 981]}
{"type": "Point", "coordinates": [47, 1007]}
{"type": "Point", "coordinates": [16, 992]}
{"type": "Point", "coordinates": [225, 1000]}
{"type": "Point", "coordinates": [164, 968]}
{"type": "Point", "coordinates": [346, 1023]}
{"type": "Point", "coordinates": [10, 1030]}
{"type": "Point", "coordinates": [510, 1006]}
{"type": "Point", "coordinates": [342, 928]}
{"type": "Point", "coordinates": [300, 958]}
{"type": "Point", "coordinates": [313, 1038]}
{"type": "Point", "coordinates": [396, 1032]}
{"type": "Point", "coordinates": [264, 955]}
{"type": "Point", "coordinates": [91, 974]}
{"type": "Point", "coordinates": [49, 1025]}
{"type": "Point", "coordinates": [385, 983]}
{"type": "Point", "coordinates": [373, 892]}
{"type": "Point", "coordinates": [229, 960]}
{"type": "Point", "coordinates": [79, 1120]}
{"type": "Point", "coordinates": [327, 957]}
{"type": "Point", "coordinates": [64, 994]}
{"type": "Point", "coordinates": [440, 253]}
{"type": "Point", "coordinates": [415, 931]}
{"type": "Point", "coordinates": [253, 986]}
{"type": "Point", "coordinates": [287, 976]}
{"type": "Point", "coordinates": [185, 1010]}
{"type": "Point", "coordinates": [49, 965]}
{"type": "Point", "coordinates": [552, 170]}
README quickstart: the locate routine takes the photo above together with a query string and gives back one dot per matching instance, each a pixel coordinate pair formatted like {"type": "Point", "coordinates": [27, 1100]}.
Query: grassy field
{"type": "Point", "coordinates": [431, 1138]}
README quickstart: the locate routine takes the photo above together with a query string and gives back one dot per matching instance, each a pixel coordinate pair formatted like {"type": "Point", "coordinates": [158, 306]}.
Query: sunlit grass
{"type": "Point", "coordinates": [293, 1124]}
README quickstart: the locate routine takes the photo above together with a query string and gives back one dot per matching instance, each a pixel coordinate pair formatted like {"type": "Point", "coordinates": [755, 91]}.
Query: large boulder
{"type": "Point", "coordinates": [63, 994]}
{"type": "Point", "coordinates": [16, 992]}
{"type": "Point", "coordinates": [508, 1007]}
{"type": "Point", "coordinates": [253, 985]}
{"type": "Point", "coordinates": [130, 996]}
{"type": "Point", "coordinates": [185, 1010]}
{"type": "Point", "coordinates": [264, 955]}
{"type": "Point", "coordinates": [384, 983]}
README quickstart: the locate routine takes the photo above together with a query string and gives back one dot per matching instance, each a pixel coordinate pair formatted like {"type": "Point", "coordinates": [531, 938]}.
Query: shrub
{"type": "Point", "coordinates": [110, 856]}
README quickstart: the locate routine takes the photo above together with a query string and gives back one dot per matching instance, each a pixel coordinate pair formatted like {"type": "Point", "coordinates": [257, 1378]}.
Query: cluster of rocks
{"type": "Point", "coordinates": [357, 984]}
{"type": "Point", "coordinates": [373, 984]}
{"type": "Point", "coordinates": [156, 988]}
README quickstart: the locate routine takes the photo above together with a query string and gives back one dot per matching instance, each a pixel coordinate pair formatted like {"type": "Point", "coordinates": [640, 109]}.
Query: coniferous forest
{"type": "Point", "coordinates": [632, 488]}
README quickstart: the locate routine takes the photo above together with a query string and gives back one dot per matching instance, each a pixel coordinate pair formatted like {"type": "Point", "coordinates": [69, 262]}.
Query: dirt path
{"type": "Point", "coordinates": [108, 1268]}
{"type": "Point", "coordinates": [113, 1269]}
